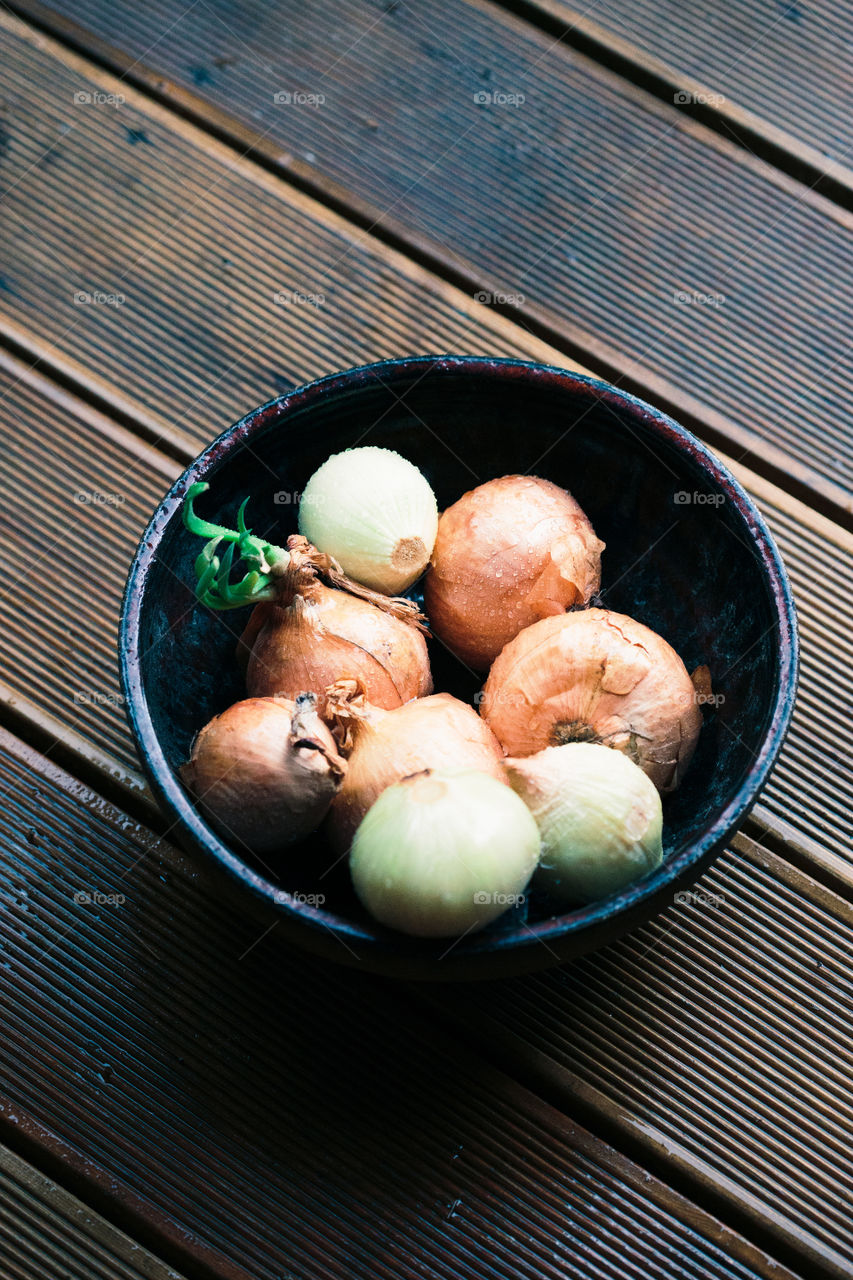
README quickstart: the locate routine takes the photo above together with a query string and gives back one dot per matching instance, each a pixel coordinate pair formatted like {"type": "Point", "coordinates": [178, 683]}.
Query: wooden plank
{"type": "Point", "coordinates": [58, 631]}
{"type": "Point", "coordinates": [773, 77]}
{"type": "Point", "coordinates": [76, 491]}
{"type": "Point", "coordinates": [717, 1038]}
{"type": "Point", "coordinates": [599, 240]}
{"type": "Point", "coordinates": [767, 997]}
{"type": "Point", "coordinates": [178, 251]}
{"type": "Point", "coordinates": [270, 1116]}
{"type": "Point", "coordinates": [810, 799]}
{"type": "Point", "coordinates": [45, 1232]}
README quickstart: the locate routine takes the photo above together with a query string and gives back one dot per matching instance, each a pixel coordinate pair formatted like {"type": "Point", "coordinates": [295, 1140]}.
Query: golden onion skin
{"type": "Point", "coordinates": [595, 676]}
{"type": "Point", "coordinates": [325, 634]}
{"type": "Point", "coordinates": [265, 771]}
{"type": "Point", "coordinates": [508, 553]}
{"type": "Point", "coordinates": [437, 732]}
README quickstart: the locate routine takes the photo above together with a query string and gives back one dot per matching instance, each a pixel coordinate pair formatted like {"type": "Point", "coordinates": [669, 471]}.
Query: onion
{"type": "Point", "coordinates": [508, 553]}
{"type": "Point", "coordinates": [438, 732]}
{"type": "Point", "coordinates": [375, 513]}
{"type": "Point", "coordinates": [444, 853]}
{"type": "Point", "coordinates": [313, 625]}
{"type": "Point", "coordinates": [595, 676]}
{"type": "Point", "coordinates": [599, 816]}
{"type": "Point", "coordinates": [265, 771]}
{"type": "Point", "coordinates": [318, 634]}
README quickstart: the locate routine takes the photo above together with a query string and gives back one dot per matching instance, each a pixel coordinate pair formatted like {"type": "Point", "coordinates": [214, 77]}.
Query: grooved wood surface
{"type": "Point", "coordinates": [76, 494]}
{"type": "Point", "coordinates": [249, 1113]}
{"type": "Point", "coordinates": [152, 264]}
{"type": "Point", "coordinates": [790, 63]}
{"type": "Point", "coordinates": [104, 485]}
{"type": "Point", "coordinates": [720, 1032]}
{"type": "Point", "coordinates": [298, 1120]}
{"type": "Point", "coordinates": [46, 1234]}
{"type": "Point", "coordinates": [658, 247]}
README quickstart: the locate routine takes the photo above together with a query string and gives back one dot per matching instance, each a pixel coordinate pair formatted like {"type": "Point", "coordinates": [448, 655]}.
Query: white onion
{"type": "Point", "coordinates": [599, 816]}
{"type": "Point", "coordinates": [375, 513]}
{"type": "Point", "coordinates": [441, 854]}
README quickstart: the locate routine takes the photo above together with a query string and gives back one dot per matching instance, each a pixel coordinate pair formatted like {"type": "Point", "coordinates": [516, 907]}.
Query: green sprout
{"type": "Point", "coordinates": [264, 561]}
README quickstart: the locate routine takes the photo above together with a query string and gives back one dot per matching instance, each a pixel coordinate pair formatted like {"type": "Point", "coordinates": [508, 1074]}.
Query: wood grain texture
{"type": "Point", "coordinates": [76, 492]}
{"type": "Point", "coordinates": [717, 1037]}
{"type": "Point", "coordinates": [152, 263]}
{"type": "Point", "coordinates": [603, 242]}
{"type": "Point", "coordinates": [287, 1120]}
{"type": "Point", "coordinates": [58, 664]}
{"type": "Point", "coordinates": [45, 1234]}
{"type": "Point", "coordinates": [787, 67]}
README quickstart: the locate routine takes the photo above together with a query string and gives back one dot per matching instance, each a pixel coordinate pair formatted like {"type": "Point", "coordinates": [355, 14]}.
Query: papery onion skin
{"type": "Point", "coordinates": [599, 816]}
{"type": "Point", "coordinates": [442, 854]}
{"type": "Point", "coordinates": [375, 513]}
{"type": "Point", "coordinates": [436, 732]}
{"type": "Point", "coordinates": [595, 676]}
{"type": "Point", "coordinates": [323, 634]}
{"type": "Point", "coordinates": [508, 553]}
{"type": "Point", "coordinates": [265, 771]}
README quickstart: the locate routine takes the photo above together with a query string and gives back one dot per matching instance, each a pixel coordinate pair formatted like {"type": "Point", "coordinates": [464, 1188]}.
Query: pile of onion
{"type": "Point", "coordinates": [265, 771]}
{"type": "Point", "coordinates": [595, 676]}
{"type": "Point", "coordinates": [586, 717]}
{"type": "Point", "coordinates": [383, 747]}
{"type": "Point", "coordinates": [508, 553]}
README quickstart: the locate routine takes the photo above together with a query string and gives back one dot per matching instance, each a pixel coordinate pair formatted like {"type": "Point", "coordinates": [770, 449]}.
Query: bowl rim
{"type": "Point", "coordinates": [189, 822]}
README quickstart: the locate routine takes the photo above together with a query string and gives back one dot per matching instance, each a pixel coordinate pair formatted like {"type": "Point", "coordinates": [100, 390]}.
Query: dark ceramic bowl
{"type": "Point", "coordinates": [687, 553]}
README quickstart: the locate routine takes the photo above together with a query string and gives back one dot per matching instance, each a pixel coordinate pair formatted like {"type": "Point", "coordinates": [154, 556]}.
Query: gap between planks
{"type": "Point", "coordinates": [737, 125]}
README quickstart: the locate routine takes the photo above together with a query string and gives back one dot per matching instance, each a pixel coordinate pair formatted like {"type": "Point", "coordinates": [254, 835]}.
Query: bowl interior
{"type": "Point", "coordinates": [683, 555]}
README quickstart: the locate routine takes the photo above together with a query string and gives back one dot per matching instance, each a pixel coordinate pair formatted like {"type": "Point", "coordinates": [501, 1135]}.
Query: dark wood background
{"type": "Point", "coordinates": [177, 1092]}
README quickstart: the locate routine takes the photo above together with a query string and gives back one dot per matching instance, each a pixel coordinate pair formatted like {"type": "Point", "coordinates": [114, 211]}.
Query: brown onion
{"type": "Point", "coordinates": [595, 676]}
{"type": "Point", "coordinates": [508, 553]}
{"type": "Point", "coordinates": [265, 771]}
{"type": "Point", "coordinates": [383, 747]}
{"type": "Point", "coordinates": [315, 634]}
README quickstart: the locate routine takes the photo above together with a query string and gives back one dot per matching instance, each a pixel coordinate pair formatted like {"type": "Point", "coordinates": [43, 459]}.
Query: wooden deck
{"type": "Point", "coordinates": [175, 1098]}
